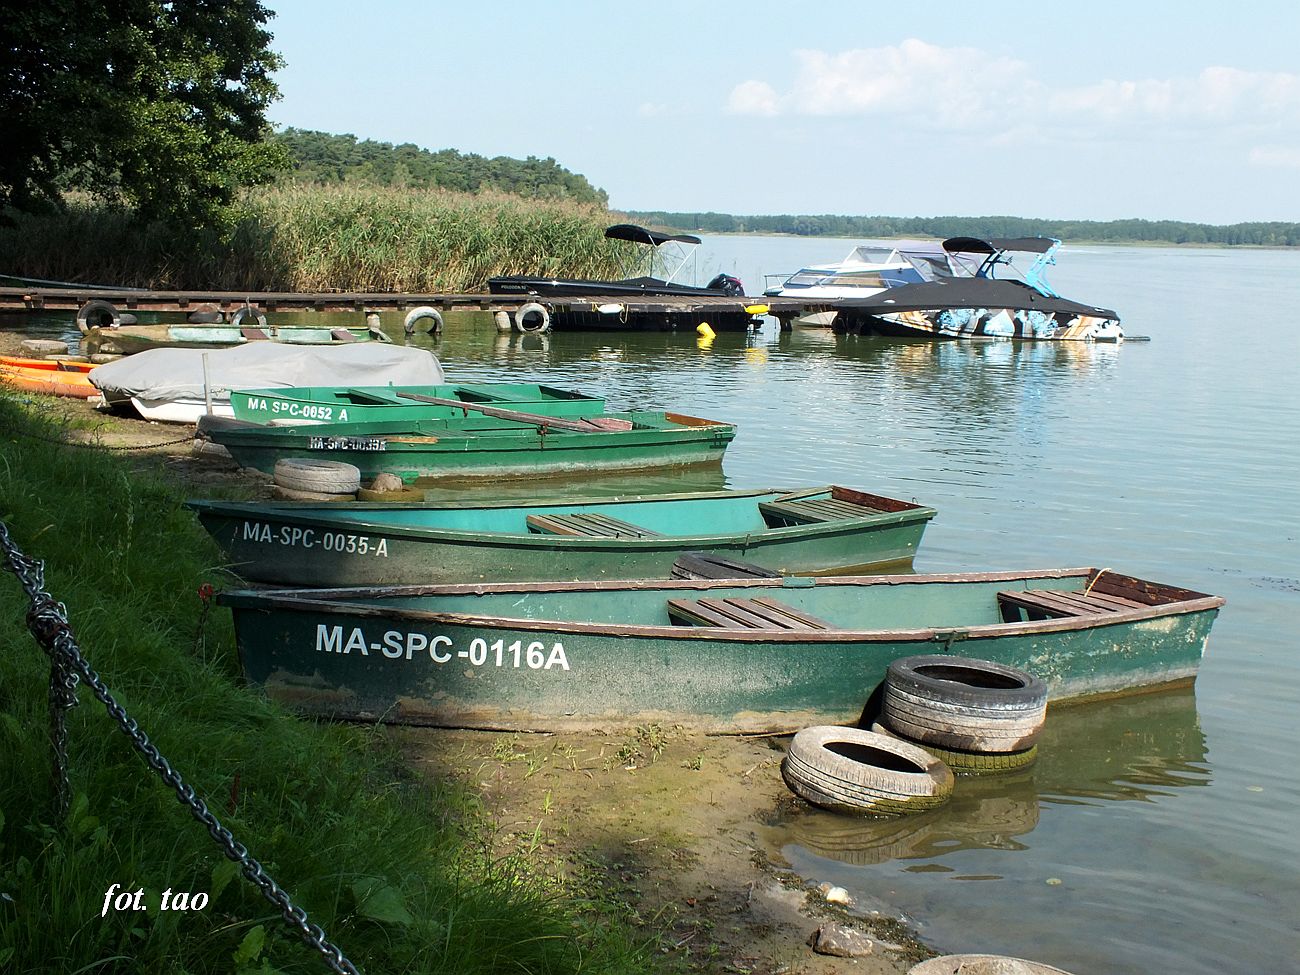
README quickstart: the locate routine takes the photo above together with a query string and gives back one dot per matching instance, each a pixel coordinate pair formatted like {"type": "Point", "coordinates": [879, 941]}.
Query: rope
{"type": "Point", "coordinates": [1100, 573]}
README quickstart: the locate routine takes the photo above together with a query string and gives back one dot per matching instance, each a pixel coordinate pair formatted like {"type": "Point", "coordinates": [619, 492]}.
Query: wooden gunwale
{"type": "Point", "coordinates": [287, 514]}
{"type": "Point", "coordinates": [330, 600]}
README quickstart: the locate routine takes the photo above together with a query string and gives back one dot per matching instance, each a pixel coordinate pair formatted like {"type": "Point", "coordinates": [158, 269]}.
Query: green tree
{"type": "Point", "coordinates": [156, 105]}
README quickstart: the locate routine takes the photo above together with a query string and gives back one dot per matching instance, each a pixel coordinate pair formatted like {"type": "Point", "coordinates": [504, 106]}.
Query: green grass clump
{"type": "Point", "coordinates": [393, 868]}
{"type": "Point", "coordinates": [312, 238]}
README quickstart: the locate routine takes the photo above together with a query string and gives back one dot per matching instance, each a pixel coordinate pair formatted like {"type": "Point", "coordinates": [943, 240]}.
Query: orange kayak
{"type": "Point", "coordinates": [50, 376]}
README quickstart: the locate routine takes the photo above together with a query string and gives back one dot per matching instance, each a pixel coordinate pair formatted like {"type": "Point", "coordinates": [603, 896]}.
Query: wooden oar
{"type": "Point", "coordinates": [595, 425]}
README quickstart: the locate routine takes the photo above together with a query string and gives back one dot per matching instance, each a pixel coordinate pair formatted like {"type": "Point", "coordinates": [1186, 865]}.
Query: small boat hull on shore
{"type": "Point", "coordinates": [131, 339]}
{"type": "Point", "coordinates": [483, 447]}
{"type": "Point", "coordinates": [376, 543]}
{"type": "Point", "coordinates": [49, 376]}
{"type": "Point", "coordinates": [551, 656]}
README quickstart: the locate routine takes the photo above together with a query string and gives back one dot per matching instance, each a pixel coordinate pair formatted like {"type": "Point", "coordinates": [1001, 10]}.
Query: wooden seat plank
{"type": "Point", "coordinates": [815, 622]}
{"type": "Point", "coordinates": [587, 523]}
{"type": "Point", "coordinates": [735, 612]}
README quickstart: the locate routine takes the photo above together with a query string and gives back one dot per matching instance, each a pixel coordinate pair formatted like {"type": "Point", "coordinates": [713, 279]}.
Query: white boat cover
{"type": "Point", "coordinates": [177, 374]}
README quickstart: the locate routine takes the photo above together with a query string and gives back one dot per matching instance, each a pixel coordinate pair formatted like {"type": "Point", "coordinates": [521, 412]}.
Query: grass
{"type": "Point", "coordinates": [311, 238]}
{"type": "Point", "coordinates": [396, 869]}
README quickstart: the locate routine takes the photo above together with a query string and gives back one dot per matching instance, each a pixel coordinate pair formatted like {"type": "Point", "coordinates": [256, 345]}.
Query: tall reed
{"type": "Point", "coordinates": [312, 238]}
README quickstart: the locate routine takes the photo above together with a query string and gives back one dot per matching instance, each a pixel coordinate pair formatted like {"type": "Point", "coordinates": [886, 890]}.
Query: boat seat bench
{"type": "Point", "coordinates": [735, 613]}
{"type": "Point", "coordinates": [812, 510]}
{"type": "Point", "coordinates": [1039, 604]}
{"type": "Point", "coordinates": [594, 525]}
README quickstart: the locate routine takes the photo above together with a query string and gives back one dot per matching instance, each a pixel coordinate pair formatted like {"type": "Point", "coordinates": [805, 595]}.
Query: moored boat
{"type": "Point", "coordinates": [543, 287]}
{"type": "Point", "coordinates": [721, 656]}
{"type": "Point", "coordinates": [376, 543]}
{"type": "Point", "coordinates": [982, 305]}
{"type": "Point", "coordinates": [55, 377]}
{"type": "Point", "coordinates": [354, 404]}
{"type": "Point", "coordinates": [181, 385]}
{"type": "Point", "coordinates": [132, 339]}
{"type": "Point", "coordinates": [482, 446]}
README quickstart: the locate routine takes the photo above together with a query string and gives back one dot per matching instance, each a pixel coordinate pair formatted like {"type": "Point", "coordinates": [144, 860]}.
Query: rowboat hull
{"type": "Point", "coordinates": [357, 544]}
{"type": "Point", "coordinates": [46, 376]}
{"type": "Point", "coordinates": [130, 339]}
{"type": "Point", "coordinates": [384, 403]}
{"type": "Point", "coordinates": [478, 448]}
{"type": "Point", "coordinates": [551, 656]}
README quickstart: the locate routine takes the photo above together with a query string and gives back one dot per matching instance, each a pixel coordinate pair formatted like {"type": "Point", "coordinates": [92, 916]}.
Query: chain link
{"type": "Point", "coordinates": [48, 622]}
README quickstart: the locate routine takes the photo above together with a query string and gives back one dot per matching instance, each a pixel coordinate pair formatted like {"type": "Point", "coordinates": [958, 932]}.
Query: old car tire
{"type": "Point", "coordinates": [289, 494]}
{"type": "Point", "coordinates": [238, 318]}
{"type": "Point", "coordinates": [97, 314]}
{"type": "Point", "coordinates": [318, 476]}
{"type": "Point", "coordinates": [416, 314]}
{"type": "Point", "coordinates": [531, 318]}
{"type": "Point", "coordinates": [970, 763]}
{"type": "Point", "coordinates": [965, 704]}
{"type": "Point", "coordinates": [855, 771]}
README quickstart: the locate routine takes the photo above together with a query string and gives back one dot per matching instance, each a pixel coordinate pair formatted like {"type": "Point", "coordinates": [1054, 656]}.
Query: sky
{"type": "Point", "coordinates": [1102, 110]}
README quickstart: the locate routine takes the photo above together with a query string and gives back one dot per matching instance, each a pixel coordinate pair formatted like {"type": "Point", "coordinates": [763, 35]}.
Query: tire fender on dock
{"type": "Point", "coordinates": [531, 318]}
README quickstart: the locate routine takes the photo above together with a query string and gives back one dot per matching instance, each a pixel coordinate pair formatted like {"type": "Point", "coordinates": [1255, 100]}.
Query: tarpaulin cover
{"type": "Point", "coordinates": [175, 374]}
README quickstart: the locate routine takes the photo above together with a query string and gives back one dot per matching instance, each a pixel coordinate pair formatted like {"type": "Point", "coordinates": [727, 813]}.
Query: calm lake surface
{"type": "Point", "coordinates": [1155, 834]}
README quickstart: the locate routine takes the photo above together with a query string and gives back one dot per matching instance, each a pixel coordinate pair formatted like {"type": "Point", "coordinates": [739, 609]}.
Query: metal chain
{"type": "Point", "coordinates": [48, 621]}
{"type": "Point", "coordinates": [77, 443]}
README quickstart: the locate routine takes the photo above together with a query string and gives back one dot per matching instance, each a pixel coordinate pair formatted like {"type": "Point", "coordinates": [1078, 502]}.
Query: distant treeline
{"type": "Point", "coordinates": [319, 157]}
{"type": "Point", "coordinates": [1125, 231]}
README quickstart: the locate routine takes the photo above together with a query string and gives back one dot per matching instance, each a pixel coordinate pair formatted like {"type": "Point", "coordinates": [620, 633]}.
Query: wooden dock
{"type": "Point", "coordinates": [651, 313]}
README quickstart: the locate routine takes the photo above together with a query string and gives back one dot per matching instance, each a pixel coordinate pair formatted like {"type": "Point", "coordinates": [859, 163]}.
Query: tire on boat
{"type": "Point", "coordinates": [964, 704]}
{"type": "Point", "coordinates": [238, 318]}
{"type": "Point", "coordinates": [532, 317]}
{"type": "Point", "coordinates": [317, 476]}
{"type": "Point", "coordinates": [417, 314]}
{"type": "Point", "coordinates": [854, 771]}
{"type": "Point", "coordinates": [983, 965]}
{"type": "Point", "coordinates": [97, 313]}
{"type": "Point", "coordinates": [289, 494]}
{"type": "Point", "coordinates": [970, 763]}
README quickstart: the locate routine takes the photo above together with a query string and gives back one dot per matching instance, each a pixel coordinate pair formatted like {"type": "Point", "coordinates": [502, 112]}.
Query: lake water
{"type": "Point", "coordinates": [1154, 834]}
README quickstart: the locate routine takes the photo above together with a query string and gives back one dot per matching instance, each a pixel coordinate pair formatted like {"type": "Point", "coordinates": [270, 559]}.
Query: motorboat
{"type": "Point", "coordinates": [681, 248]}
{"type": "Point", "coordinates": [982, 305]}
{"type": "Point", "coordinates": [871, 268]}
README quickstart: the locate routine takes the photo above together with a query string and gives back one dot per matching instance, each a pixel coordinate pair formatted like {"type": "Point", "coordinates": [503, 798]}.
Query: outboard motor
{"type": "Point", "coordinates": [727, 284]}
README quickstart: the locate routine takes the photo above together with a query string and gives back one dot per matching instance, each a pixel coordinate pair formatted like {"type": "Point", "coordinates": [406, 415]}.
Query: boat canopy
{"type": "Point", "coordinates": [976, 245]}
{"type": "Point", "coordinates": [639, 235]}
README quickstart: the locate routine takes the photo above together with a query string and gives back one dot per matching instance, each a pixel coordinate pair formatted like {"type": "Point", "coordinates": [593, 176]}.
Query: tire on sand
{"type": "Point", "coordinates": [317, 476]}
{"type": "Point", "coordinates": [983, 965]}
{"type": "Point", "coordinates": [854, 771]}
{"type": "Point", "coordinates": [964, 704]}
{"type": "Point", "coordinates": [970, 763]}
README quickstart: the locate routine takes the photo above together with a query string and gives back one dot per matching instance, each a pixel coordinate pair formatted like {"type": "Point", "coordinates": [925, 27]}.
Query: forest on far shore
{"type": "Point", "coordinates": [1270, 234]}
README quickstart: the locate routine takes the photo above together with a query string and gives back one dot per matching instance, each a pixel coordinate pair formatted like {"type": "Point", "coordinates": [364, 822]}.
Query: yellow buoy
{"type": "Point", "coordinates": [756, 309]}
{"type": "Point", "coordinates": [704, 330]}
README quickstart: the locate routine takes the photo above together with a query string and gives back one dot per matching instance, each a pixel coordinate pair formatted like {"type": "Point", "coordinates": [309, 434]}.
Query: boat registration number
{"type": "Point", "coordinates": [347, 443]}
{"type": "Point", "coordinates": [478, 652]}
{"type": "Point", "coordinates": [294, 537]}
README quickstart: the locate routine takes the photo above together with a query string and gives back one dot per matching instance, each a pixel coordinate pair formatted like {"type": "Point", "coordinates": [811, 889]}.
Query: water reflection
{"type": "Point", "coordinates": [1138, 748]}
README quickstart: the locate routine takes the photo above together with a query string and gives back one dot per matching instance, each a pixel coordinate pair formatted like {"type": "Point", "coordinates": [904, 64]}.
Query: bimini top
{"type": "Point", "coordinates": [639, 235]}
{"type": "Point", "coordinates": [975, 245]}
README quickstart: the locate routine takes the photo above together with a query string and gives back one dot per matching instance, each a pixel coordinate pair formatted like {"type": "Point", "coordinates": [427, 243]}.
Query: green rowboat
{"type": "Point", "coordinates": [333, 404]}
{"type": "Point", "coordinates": [480, 446]}
{"type": "Point", "coordinates": [764, 656]}
{"type": "Point", "coordinates": [377, 543]}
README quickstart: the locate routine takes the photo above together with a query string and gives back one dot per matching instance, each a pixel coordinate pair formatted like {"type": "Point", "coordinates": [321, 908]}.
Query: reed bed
{"type": "Point", "coordinates": [395, 868]}
{"type": "Point", "coordinates": [312, 238]}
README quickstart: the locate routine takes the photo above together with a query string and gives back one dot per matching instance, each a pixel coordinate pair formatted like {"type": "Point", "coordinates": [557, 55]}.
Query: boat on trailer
{"type": "Point", "coordinates": [812, 530]}
{"type": "Point", "coordinates": [684, 244]}
{"type": "Point", "coordinates": [769, 655]}
{"type": "Point", "coordinates": [983, 305]}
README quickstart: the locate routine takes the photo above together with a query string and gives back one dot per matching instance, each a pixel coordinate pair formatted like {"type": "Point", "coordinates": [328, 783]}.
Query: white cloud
{"type": "Point", "coordinates": [922, 85]}
{"type": "Point", "coordinates": [753, 98]}
{"type": "Point", "coordinates": [1273, 156]}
